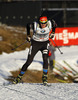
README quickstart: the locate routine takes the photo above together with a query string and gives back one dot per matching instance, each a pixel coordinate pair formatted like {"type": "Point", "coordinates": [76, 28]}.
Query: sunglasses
{"type": "Point", "coordinates": [43, 23]}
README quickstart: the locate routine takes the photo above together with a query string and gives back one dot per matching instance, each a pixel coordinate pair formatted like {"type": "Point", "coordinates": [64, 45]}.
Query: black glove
{"type": "Point", "coordinates": [51, 35]}
{"type": "Point", "coordinates": [28, 38]}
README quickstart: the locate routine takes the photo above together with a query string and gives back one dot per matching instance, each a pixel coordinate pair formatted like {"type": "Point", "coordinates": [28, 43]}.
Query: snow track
{"type": "Point", "coordinates": [57, 91]}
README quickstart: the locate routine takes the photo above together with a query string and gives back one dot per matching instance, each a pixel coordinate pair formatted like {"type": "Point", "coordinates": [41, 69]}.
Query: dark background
{"type": "Point", "coordinates": [65, 13]}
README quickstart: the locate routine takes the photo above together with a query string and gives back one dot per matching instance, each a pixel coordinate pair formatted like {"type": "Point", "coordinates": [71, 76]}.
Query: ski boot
{"type": "Point", "coordinates": [44, 79]}
{"type": "Point", "coordinates": [17, 79]}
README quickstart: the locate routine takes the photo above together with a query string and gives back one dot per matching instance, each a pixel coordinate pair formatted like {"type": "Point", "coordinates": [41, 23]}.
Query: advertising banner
{"type": "Point", "coordinates": [66, 36]}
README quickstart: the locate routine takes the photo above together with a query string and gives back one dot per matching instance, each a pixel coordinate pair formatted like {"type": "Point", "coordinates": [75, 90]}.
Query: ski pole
{"type": "Point", "coordinates": [76, 73]}
{"type": "Point", "coordinates": [19, 45]}
{"type": "Point", "coordinates": [57, 47]}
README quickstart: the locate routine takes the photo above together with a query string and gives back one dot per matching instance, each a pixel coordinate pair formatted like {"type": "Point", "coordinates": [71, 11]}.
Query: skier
{"type": "Point", "coordinates": [39, 42]}
{"type": "Point", "coordinates": [51, 54]}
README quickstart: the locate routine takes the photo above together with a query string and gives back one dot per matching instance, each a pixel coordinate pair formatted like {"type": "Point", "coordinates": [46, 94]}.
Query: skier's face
{"type": "Point", "coordinates": [43, 25]}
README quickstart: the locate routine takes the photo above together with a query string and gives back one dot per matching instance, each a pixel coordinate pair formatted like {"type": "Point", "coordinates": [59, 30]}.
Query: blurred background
{"type": "Point", "coordinates": [15, 14]}
{"type": "Point", "coordinates": [20, 12]}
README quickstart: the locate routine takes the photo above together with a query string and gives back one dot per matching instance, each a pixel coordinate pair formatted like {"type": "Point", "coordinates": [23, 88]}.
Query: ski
{"type": "Point", "coordinates": [10, 83]}
{"type": "Point", "coordinates": [61, 72]}
{"type": "Point", "coordinates": [74, 71]}
{"type": "Point", "coordinates": [7, 83]}
{"type": "Point", "coordinates": [48, 84]}
{"type": "Point", "coordinates": [64, 70]}
{"type": "Point", "coordinates": [63, 67]}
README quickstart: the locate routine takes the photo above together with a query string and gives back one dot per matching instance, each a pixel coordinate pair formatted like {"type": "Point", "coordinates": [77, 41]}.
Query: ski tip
{"type": "Point", "coordinates": [7, 83]}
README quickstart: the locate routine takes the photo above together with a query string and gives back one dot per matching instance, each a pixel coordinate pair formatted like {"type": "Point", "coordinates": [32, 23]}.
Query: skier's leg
{"type": "Point", "coordinates": [24, 68]}
{"type": "Point", "coordinates": [51, 65]}
{"type": "Point", "coordinates": [45, 66]}
{"type": "Point", "coordinates": [29, 60]}
{"type": "Point", "coordinates": [31, 55]}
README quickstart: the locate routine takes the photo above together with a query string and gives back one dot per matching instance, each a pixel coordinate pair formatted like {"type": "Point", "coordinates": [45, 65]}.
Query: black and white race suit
{"type": "Point", "coordinates": [39, 43]}
{"type": "Point", "coordinates": [41, 34]}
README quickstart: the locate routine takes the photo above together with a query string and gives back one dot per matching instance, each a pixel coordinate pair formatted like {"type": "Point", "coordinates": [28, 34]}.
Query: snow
{"type": "Point", "coordinates": [26, 91]}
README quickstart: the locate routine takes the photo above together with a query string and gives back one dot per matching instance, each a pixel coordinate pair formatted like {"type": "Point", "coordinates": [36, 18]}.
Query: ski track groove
{"type": "Point", "coordinates": [40, 91]}
{"type": "Point", "coordinates": [60, 91]}
{"type": "Point", "coordinates": [17, 91]}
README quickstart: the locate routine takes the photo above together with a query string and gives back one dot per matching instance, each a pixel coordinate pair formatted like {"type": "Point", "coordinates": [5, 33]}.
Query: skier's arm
{"type": "Point", "coordinates": [54, 25]}
{"type": "Point", "coordinates": [28, 38]}
{"type": "Point", "coordinates": [28, 29]}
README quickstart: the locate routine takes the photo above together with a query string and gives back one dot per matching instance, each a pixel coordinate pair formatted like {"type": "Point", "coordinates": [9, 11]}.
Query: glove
{"type": "Point", "coordinates": [28, 38]}
{"type": "Point", "coordinates": [51, 35]}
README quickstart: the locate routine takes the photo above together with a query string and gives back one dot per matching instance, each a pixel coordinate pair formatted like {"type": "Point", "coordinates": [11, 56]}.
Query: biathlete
{"type": "Point", "coordinates": [42, 31]}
